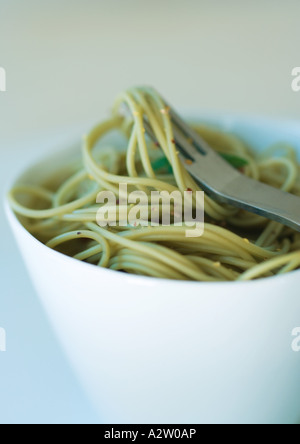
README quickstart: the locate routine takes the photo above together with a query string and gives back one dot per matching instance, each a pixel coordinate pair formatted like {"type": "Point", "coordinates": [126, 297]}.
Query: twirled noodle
{"type": "Point", "coordinates": [235, 245]}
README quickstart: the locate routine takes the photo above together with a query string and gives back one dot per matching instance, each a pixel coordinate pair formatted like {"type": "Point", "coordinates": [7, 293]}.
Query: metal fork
{"type": "Point", "coordinates": [224, 183]}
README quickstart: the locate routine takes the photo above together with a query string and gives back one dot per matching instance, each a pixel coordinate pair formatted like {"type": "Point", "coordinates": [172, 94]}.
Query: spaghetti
{"type": "Point", "coordinates": [235, 246]}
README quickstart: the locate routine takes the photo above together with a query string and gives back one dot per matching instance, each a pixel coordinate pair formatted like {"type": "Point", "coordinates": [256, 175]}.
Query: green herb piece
{"type": "Point", "coordinates": [162, 163]}
{"type": "Point", "coordinates": [235, 161]}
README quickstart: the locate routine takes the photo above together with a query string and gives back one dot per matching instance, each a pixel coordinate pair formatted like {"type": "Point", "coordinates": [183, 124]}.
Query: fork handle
{"type": "Point", "coordinates": [258, 198]}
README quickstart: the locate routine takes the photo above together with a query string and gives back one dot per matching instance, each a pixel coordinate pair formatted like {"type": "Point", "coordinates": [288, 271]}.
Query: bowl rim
{"type": "Point", "coordinates": [211, 116]}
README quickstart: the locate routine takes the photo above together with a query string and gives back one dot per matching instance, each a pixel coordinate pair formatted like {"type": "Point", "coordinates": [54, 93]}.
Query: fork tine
{"type": "Point", "coordinates": [149, 131]}
{"type": "Point", "coordinates": [202, 147]}
{"type": "Point", "coordinates": [185, 146]}
{"type": "Point", "coordinates": [187, 149]}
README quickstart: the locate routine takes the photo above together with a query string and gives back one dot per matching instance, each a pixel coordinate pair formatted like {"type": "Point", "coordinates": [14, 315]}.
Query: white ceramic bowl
{"type": "Point", "coordinates": [158, 351]}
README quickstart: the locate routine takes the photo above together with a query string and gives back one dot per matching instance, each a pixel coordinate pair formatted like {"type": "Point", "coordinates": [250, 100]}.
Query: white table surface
{"type": "Point", "coordinates": [65, 62]}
